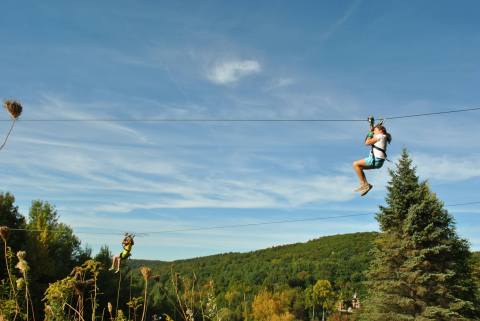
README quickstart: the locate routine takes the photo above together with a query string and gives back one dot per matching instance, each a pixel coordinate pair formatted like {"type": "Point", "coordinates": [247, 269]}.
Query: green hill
{"type": "Point", "coordinates": [287, 269]}
{"type": "Point", "coordinates": [238, 277]}
{"type": "Point", "coordinates": [342, 259]}
{"type": "Point", "coordinates": [476, 267]}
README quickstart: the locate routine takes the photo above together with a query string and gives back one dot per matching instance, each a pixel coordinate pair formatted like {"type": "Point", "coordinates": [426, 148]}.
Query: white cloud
{"type": "Point", "coordinates": [444, 168]}
{"type": "Point", "coordinates": [231, 71]}
{"type": "Point", "coordinates": [246, 193]}
{"type": "Point", "coordinates": [105, 162]}
{"type": "Point", "coordinates": [447, 168]}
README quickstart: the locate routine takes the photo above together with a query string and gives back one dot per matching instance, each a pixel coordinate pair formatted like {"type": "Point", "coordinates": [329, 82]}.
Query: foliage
{"type": "Point", "coordinates": [320, 295]}
{"type": "Point", "coordinates": [134, 304]}
{"type": "Point", "coordinates": [57, 297]}
{"type": "Point", "coordinates": [51, 250]}
{"type": "Point", "coordinates": [281, 283]}
{"type": "Point", "coordinates": [268, 306]}
{"type": "Point", "coordinates": [53, 243]}
{"type": "Point", "coordinates": [421, 267]}
{"type": "Point", "coordinates": [8, 308]}
{"type": "Point", "coordinates": [11, 218]}
{"type": "Point", "coordinates": [323, 295]}
{"type": "Point", "coordinates": [475, 262]}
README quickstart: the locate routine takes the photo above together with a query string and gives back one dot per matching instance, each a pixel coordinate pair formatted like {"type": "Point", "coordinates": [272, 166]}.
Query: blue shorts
{"type": "Point", "coordinates": [378, 162]}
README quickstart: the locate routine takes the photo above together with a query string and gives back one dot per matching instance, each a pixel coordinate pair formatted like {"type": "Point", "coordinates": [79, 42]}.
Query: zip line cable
{"type": "Point", "coordinates": [212, 120]}
{"type": "Point", "coordinates": [206, 228]}
{"type": "Point", "coordinates": [218, 227]}
{"type": "Point", "coordinates": [240, 120]}
{"type": "Point", "coordinates": [461, 204]}
{"type": "Point", "coordinates": [252, 224]}
{"type": "Point", "coordinates": [433, 113]}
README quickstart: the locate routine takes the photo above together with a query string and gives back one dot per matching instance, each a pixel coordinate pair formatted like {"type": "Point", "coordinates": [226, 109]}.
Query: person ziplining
{"type": "Point", "coordinates": [377, 138]}
{"type": "Point", "coordinates": [127, 245]}
{"type": "Point", "coordinates": [14, 108]}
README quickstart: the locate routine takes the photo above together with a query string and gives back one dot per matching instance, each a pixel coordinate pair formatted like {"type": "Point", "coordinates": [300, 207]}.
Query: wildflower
{"type": "Point", "coordinates": [22, 264]}
{"type": "Point", "coordinates": [146, 272]}
{"type": "Point", "coordinates": [20, 283]}
{"type": "Point", "coordinates": [48, 310]}
{"type": "Point", "coordinates": [4, 231]}
{"type": "Point", "coordinates": [120, 316]}
{"type": "Point", "coordinates": [21, 255]}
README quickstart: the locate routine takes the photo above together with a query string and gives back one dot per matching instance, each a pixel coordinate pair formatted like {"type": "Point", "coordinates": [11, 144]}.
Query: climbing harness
{"type": "Point", "coordinates": [127, 244]}
{"type": "Point", "coordinates": [371, 122]}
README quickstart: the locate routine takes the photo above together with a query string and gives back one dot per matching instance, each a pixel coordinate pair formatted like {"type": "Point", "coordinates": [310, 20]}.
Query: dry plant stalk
{"type": "Point", "coordinates": [22, 265]}
{"type": "Point", "coordinates": [13, 107]}
{"type": "Point", "coordinates": [186, 300]}
{"type": "Point", "coordinates": [110, 308]}
{"type": "Point", "coordinates": [147, 274]}
{"type": "Point", "coordinates": [4, 232]}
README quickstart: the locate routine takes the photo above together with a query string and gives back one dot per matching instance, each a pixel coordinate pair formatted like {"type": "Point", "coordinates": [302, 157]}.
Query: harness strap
{"type": "Point", "coordinates": [380, 149]}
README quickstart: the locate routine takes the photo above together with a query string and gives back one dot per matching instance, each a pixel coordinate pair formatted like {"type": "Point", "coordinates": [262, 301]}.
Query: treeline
{"type": "Point", "coordinates": [291, 269]}
{"type": "Point", "coordinates": [475, 263]}
{"type": "Point", "coordinates": [49, 276]}
{"type": "Point", "coordinates": [50, 246]}
{"type": "Point", "coordinates": [48, 272]}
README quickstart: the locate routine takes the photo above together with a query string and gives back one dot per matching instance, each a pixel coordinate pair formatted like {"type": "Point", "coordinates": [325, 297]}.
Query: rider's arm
{"type": "Point", "coordinates": [371, 141]}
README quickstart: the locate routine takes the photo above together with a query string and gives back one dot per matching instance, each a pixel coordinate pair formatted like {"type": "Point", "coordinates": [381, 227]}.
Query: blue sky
{"type": "Point", "coordinates": [244, 59]}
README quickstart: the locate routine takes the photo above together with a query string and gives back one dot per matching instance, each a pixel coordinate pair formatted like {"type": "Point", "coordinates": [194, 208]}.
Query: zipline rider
{"type": "Point", "coordinates": [377, 138]}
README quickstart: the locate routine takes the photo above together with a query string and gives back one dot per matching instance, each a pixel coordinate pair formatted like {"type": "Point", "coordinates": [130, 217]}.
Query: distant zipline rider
{"type": "Point", "coordinates": [377, 138]}
{"type": "Point", "coordinates": [127, 245]}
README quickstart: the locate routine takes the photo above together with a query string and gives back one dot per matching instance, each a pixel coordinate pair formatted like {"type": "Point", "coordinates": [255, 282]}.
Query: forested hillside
{"type": "Point", "coordinates": [476, 267]}
{"type": "Point", "coordinates": [288, 269]}
{"type": "Point", "coordinates": [341, 259]}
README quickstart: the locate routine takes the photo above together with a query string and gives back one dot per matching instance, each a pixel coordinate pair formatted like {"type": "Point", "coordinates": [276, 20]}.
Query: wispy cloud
{"type": "Point", "coordinates": [447, 167]}
{"type": "Point", "coordinates": [247, 193]}
{"type": "Point", "coordinates": [96, 164]}
{"type": "Point", "coordinates": [280, 82]}
{"type": "Point", "coordinates": [229, 72]}
{"type": "Point", "coordinates": [342, 20]}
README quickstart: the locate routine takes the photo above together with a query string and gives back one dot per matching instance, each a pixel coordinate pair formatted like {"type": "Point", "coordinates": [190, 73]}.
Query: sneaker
{"type": "Point", "coordinates": [364, 191]}
{"type": "Point", "coordinates": [360, 188]}
{"type": "Point", "coordinates": [116, 271]}
{"type": "Point", "coordinates": [111, 268]}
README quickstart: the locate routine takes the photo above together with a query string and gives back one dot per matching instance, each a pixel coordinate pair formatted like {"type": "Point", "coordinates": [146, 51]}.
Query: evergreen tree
{"type": "Point", "coordinates": [420, 269]}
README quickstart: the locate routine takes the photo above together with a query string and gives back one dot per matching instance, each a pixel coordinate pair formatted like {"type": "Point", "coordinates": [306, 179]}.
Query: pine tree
{"type": "Point", "coordinates": [420, 270]}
